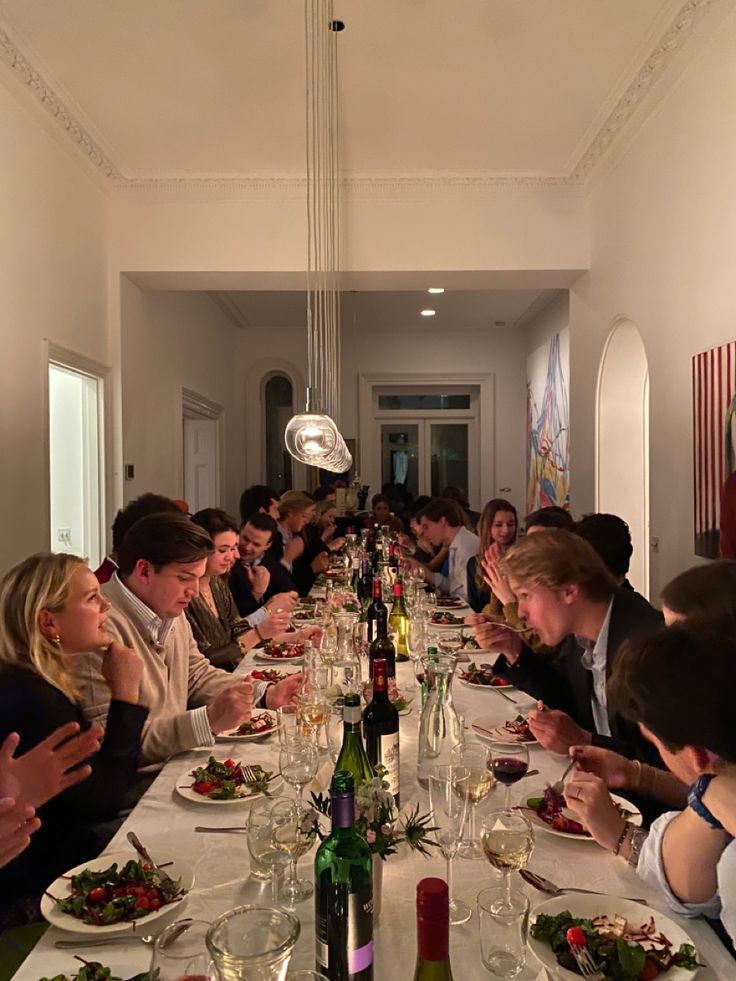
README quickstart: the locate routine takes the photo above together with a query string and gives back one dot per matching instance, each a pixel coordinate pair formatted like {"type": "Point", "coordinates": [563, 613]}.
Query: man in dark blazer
{"type": "Point", "coordinates": [570, 599]}
{"type": "Point", "coordinates": [258, 579]}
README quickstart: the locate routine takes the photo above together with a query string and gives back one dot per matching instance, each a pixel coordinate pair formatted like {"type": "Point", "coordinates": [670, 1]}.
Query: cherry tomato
{"type": "Point", "coordinates": [135, 890]}
{"type": "Point", "coordinates": [651, 970]}
{"type": "Point", "coordinates": [230, 764]}
{"type": "Point", "coordinates": [143, 902]}
{"type": "Point", "coordinates": [203, 787]}
{"type": "Point", "coordinates": [575, 936]}
{"type": "Point", "coordinates": [98, 895]}
{"type": "Point", "coordinates": [155, 904]}
{"type": "Point", "coordinates": [152, 894]}
{"type": "Point", "coordinates": [147, 866]}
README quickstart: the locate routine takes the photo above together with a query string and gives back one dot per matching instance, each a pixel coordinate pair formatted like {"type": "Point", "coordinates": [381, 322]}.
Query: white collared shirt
{"type": "Point", "coordinates": [286, 537]}
{"type": "Point", "coordinates": [463, 547]}
{"type": "Point", "coordinates": [595, 659]}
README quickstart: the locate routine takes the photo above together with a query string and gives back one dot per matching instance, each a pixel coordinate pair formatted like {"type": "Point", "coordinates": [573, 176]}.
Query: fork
{"type": "Point", "coordinates": [250, 777]}
{"type": "Point", "coordinates": [585, 962]}
{"type": "Point", "coordinates": [560, 785]}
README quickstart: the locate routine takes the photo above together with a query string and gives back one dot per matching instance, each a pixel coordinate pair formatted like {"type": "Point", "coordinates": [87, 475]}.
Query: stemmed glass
{"type": "Point", "coordinates": [298, 764]}
{"type": "Point", "coordinates": [293, 834]}
{"type": "Point", "coordinates": [311, 710]}
{"type": "Point", "coordinates": [264, 855]}
{"type": "Point", "coordinates": [509, 763]}
{"type": "Point", "coordinates": [334, 728]}
{"type": "Point", "coordinates": [416, 644]}
{"type": "Point", "coordinates": [507, 839]}
{"type": "Point", "coordinates": [449, 811]}
{"type": "Point", "coordinates": [475, 782]}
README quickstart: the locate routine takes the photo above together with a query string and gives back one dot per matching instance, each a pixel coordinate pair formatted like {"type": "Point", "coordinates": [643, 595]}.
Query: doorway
{"type": "Point", "coordinates": [201, 442]}
{"type": "Point", "coordinates": [623, 441]}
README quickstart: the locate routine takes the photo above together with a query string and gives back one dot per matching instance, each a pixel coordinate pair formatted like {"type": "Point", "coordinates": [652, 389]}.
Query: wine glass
{"type": "Point", "coordinates": [293, 833]}
{"type": "Point", "coordinates": [298, 764]}
{"type": "Point", "coordinates": [449, 811]}
{"type": "Point", "coordinates": [416, 640]}
{"type": "Point", "coordinates": [334, 729]}
{"type": "Point", "coordinates": [475, 783]}
{"type": "Point", "coordinates": [311, 710]}
{"type": "Point", "coordinates": [264, 855]}
{"type": "Point", "coordinates": [509, 762]}
{"type": "Point", "coordinates": [507, 839]}
{"type": "Point", "coordinates": [180, 953]}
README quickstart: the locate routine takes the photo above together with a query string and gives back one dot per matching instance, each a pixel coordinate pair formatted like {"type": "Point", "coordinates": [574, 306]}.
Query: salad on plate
{"type": "Point", "coordinates": [283, 651]}
{"type": "Point", "coordinates": [443, 618]}
{"type": "Point", "coordinates": [483, 676]}
{"type": "Point", "coordinates": [551, 809]}
{"type": "Point", "coordinates": [258, 725]}
{"type": "Point", "coordinates": [225, 780]}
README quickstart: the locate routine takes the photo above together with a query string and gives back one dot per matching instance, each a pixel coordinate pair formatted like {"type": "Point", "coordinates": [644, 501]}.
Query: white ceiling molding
{"type": "Point", "coordinates": [671, 43]}
{"type": "Point", "coordinates": [536, 307]}
{"type": "Point", "coordinates": [225, 304]}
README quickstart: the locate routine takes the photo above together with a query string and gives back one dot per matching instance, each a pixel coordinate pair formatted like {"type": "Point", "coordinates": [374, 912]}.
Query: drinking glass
{"type": "Point", "coordinates": [294, 834]}
{"type": "Point", "coordinates": [475, 783]}
{"type": "Point", "coordinates": [361, 644]}
{"type": "Point", "coordinates": [416, 643]}
{"type": "Point", "coordinates": [298, 764]}
{"type": "Point", "coordinates": [503, 923]}
{"type": "Point", "coordinates": [268, 859]}
{"type": "Point", "coordinates": [180, 953]}
{"type": "Point", "coordinates": [311, 711]}
{"type": "Point", "coordinates": [289, 725]}
{"type": "Point", "coordinates": [507, 839]}
{"type": "Point", "coordinates": [334, 729]}
{"type": "Point", "coordinates": [449, 811]}
{"type": "Point", "coordinates": [509, 763]}
{"type": "Point", "coordinates": [253, 942]}
{"type": "Point", "coordinates": [306, 976]}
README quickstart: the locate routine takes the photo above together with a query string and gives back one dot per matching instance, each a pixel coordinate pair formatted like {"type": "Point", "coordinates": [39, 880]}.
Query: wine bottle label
{"type": "Point", "coordinates": [360, 931]}
{"type": "Point", "coordinates": [344, 933]}
{"type": "Point", "coordinates": [352, 714]}
{"type": "Point", "coordinates": [388, 756]}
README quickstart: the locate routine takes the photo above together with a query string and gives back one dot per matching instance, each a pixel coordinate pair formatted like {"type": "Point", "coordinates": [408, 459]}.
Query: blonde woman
{"type": "Point", "coordinates": [51, 609]}
{"type": "Point", "coordinates": [296, 510]}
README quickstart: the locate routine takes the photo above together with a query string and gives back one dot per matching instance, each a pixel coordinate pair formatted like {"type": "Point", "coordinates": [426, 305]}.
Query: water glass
{"type": "Point", "coordinates": [298, 764]}
{"type": "Point", "coordinates": [474, 781]}
{"type": "Point", "coordinates": [289, 726]}
{"type": "Point", "coordinates": [503, 923]}
{"type": "Point", "coordinates": [334, 729]}
{"type": "Point", "coordinates": [253, 942]}
{"type": "Point", "coordinates": [181, 952]}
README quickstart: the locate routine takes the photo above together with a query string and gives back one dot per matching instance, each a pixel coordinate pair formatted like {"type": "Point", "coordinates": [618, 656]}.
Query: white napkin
{"type": "Point", "coordinates": [321, 782]}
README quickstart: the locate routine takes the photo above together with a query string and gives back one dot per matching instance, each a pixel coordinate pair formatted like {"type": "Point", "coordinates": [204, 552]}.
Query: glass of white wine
{"type": "Point", "coordinates": [449, 811]}
{"type": "Point", "coordinates": [507, 839]}
{"type": "Point", "coordinates": [293, 833]}
{"type": "Point", "coordinates": [475, 783]}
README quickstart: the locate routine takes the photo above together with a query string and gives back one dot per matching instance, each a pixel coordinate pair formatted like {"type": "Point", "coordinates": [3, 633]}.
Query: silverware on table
{"type": "Point", "coordinates": [552, 889]}
{"type": "Point", "coordinates": [139, 847]}
{"type": "Point", "coordinates": [227, 831]}
{"type": "Point", "coordinates": [558, 787]}
{"type": "Point", "coordinates": [144, 938]}
{"type": "Point", "coordinates": [251, 778]}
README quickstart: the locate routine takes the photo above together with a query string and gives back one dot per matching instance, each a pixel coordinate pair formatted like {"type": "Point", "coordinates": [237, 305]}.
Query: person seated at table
{"type": "Point", "coordinates": [326, 492]}
{"type": "Point", "coordinates": [296, 510]}
{"type": "Point", "coordinates": [381, 515]}
{"type": "Point", "coordinates": [688, 854]}
{"type": "Point", "coordinates": [551, 516]}
{"type": "Point", "coordinates": [460, 495]}
{"type": "Point", "coordinates": [51, 612]}
{"type": "Point", "coordinates": [259, 499]}
{"type": "Point", "coordinates": [610, 537]}
{"type": "Point", "coordinates": [319, 542]}
{"type": "Point", "coordinates": [161, 560]}
{"type": "Point", "coordinates": [497, 531]}
{"type": "Point", "coordinates": [443, 524]}
{"type": "Point", "coordinates": [258, 582]}
{"type": "Point", "coordinates": [570, 599]}
{"type": "Point", "coordinates": [124, 519]}
{"type": "Point", "coordinates": [221, 634]}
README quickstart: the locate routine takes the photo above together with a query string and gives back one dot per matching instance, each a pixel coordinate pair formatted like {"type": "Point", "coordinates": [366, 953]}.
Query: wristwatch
{"type": "Point", "coordinates": [695, 801]}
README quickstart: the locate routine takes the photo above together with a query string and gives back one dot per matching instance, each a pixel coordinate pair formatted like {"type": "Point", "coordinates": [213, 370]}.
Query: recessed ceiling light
{"type": "Point", "coordinates": [499, 323]}
{"type": "Point", "coordinates": [428, 313]}
{"type": "Point", "coordinates": [436, 289]}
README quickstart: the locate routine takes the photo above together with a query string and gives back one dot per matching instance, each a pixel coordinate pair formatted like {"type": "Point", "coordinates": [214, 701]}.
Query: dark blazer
{"type": "Point", "coordinates": [302, 572]}
{"type": "Point", "coordinates": [33, 708]}
{"type": "Point", "coordinates": [561, 681]}
{"type": "Point", "coordinates": [478, 596]}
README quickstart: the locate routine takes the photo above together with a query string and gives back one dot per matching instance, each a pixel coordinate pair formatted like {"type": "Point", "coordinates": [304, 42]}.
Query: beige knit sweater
{"type": "Point", "coordinates": [176, 679]}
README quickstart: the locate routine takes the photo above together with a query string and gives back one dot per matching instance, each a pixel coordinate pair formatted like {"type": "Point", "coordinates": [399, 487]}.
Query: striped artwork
{"type": "Point", "coordinates": [714, 436]}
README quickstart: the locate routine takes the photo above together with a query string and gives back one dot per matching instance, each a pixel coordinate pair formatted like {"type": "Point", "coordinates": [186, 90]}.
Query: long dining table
{"type": "Point", "coordinates": [165, 823]}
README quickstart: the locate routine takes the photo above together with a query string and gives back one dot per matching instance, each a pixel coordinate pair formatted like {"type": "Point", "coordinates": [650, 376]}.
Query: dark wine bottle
{"type": "Point", "coordinates": [433, 931]}
{"type": "Point", "coordinates": [375, 608]}
{"type": "Point", "coordinates": [382, 646]}
{"type": "Point", "coordinates": [343, 893]}
{"type": "Point", "coordinates": [355, 575]}
{"type": "Point", "coordinates": [393, 556]}
{"type": "Point", "coordinates": [399, 620]}
{"type": "Point", "coordinates": [352, 752]}
{"type": "Point", "coordinates": [381, 730]}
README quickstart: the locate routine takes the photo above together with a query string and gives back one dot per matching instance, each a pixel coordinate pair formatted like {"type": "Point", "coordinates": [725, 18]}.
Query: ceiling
{"type": "Point", "coordinates": [215, 88]}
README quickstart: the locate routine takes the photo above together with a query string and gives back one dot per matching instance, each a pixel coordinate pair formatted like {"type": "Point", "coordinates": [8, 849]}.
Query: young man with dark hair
{"type": "Point", "coordinates": [567, 595]}
{"type": "Point", "coordinates": [552, 516]}
{"type": "Point", "coordinates": [259, 583]}
{"type": "Point", "coordinates": [161, 561]}
{"type": "Point", "coordinates": [259, 498]}
{"type": "Point", "coordinates": [126, 518]}
{"type": "Point", "coordinates": [610, 537]}
{"type": "Point", "coordinates": [443, 524]}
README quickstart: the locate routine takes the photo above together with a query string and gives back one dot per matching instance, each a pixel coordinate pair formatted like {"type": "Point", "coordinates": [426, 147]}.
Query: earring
{"type": "Point", "coordinates": [56, 641]}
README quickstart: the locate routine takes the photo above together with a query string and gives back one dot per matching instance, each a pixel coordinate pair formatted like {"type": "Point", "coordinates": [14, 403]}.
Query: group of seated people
{"type": "Point", "coordinates": [100, 684]}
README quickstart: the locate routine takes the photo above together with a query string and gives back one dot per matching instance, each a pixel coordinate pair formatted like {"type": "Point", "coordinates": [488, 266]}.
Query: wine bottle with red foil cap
{"type": "Point", "coordinates": [433, 931]}
{"type": "Point", "coordinates": [376, 608]}
{"type": "Point", "coordinates": [343, 892]}
{"type": "Point", "coordinates": [381, 730]}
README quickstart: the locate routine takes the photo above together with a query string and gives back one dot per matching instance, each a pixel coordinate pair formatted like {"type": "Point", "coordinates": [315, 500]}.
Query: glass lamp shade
{"type": "Point", "coordinates": [314, 439]}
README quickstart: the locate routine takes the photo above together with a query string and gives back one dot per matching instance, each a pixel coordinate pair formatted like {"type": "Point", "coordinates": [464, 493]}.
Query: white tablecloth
{"type": "Point", "coordinates": [165, 823]}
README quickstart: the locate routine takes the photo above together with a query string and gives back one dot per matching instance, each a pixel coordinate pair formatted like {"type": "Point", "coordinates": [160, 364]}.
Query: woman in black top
{"type": "Point", "coordinates": [51, 608]}
{"type": "Point", "coordinates": [319, 541]}
{"type": "Point", "coordinates": [497, 531]}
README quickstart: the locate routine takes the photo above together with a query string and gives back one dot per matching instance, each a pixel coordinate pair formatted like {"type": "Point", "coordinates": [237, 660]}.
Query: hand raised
{"type": "Point", "coordinates": [555, 730]}
{"type": "Point", "coordinates": [274, 624]}
{"type": "Point", "coordinates": [122, 669]}
{"type": "Point", "coordinates": [283, 601]}
{"type": "Point", "coordinates": [232, 706]}
{"type": "Point", "coordinates": [615, 770]}
{"type": "Point", "coordinates": [283, 693]}
{"type": "Point", "coordinates": [259, 578]}
{"type": "Point", "coordinates": [17, 824]}
{"type": "Point", "coordinates": [493, 636]}
{"type": "Point", "coordinates": [587, 795]}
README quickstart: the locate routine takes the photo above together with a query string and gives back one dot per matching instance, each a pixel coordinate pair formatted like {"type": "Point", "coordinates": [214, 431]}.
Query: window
{"type": "Point", "coordinates": [278, 400]}
{"type": "Point", "coordinates": [75, 466]}
{"type": "Point", "coordinates": [415, 401]}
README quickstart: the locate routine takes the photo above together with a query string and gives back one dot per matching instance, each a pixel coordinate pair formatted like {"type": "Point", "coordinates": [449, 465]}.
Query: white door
{"type": "Point", "coordinates": [425, 455]}
{"type": "Point", "coordinates": [201, 464]}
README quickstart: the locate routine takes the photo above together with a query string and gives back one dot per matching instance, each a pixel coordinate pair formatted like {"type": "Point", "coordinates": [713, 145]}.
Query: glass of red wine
{"type": "Point", "coordinates": [180, 953]}
{"type": "Point", "coordinates": [508, 762]}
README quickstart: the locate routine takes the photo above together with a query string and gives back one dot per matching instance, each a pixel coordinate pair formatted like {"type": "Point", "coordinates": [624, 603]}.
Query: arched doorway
{"type": "Point", "coordinates": [622, 485]}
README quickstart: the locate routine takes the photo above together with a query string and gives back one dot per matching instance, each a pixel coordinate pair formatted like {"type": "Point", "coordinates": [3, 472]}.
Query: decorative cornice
{"type": "Point", "coordinates": [654, 66]}
{"type": "Point", "coordinates": [45, 95]}
{"type": "Point", "coordinates": [225, 304]}
{"type": "Point", "coordinates": [545, 298]}
{"type": "Point", "coordinates": [289, 185]}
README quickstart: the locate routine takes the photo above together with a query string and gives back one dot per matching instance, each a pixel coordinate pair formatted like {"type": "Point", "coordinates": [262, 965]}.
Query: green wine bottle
{"type": "Point", "coordinates": [352, 753]}
{"type": "Point", "coordinates": [399, 620]}
{"type": "Point", "coordinates": [382, 646]}
{"type": "Point", "coordinates": [433, 931]}
{"type": "Point", "coordinates": [343, 892]}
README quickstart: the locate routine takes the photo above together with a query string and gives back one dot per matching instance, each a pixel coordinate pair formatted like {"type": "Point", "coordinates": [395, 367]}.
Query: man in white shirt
{"type": "Point", "coordinates": [442, 524]}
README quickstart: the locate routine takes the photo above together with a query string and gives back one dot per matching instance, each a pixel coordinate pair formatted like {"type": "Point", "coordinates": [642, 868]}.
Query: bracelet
{"type": "Point", "coordinates": [258, 633]}
{"type": "Point", "coordinates": [622, 837]}
{"type": "Point", "coordinates": [638, 837]}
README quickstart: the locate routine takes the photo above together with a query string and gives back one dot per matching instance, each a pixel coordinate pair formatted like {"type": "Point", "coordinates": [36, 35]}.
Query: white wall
{"type": "Point", "coordinates": [664, 238]}
{"type": "Point", "coordinates": [54, 239]}
{"type": "Point", "coordinates": [171, 341]}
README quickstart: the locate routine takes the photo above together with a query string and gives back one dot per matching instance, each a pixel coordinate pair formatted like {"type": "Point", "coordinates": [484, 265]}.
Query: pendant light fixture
{"type": "Point", "coordinates": [312, 436]}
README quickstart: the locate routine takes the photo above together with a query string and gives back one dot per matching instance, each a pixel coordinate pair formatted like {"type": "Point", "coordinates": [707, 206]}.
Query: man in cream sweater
{"type": "Point", "coordinates": [160, 562]}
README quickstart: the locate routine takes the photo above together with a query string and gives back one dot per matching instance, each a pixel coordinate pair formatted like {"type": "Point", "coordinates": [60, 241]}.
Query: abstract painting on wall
{"type": "Point", "coordinates": [548, 424]}
{"type": "Point", "coordinates": [714, 440]}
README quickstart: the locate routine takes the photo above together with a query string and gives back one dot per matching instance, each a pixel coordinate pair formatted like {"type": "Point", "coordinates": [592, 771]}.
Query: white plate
{"type": "Point", "coordinates": [188, 794]}
{"type": "Point", "coordinates": [497, 734]}
{"type": "Point", "coordinates": [452, 609]}
{"type": "Point", "coordinates": [61, 888]}
{"type": "Point", "coordinates": [477, 687]}
{"type": "Point", "coordinates": [295, 659]}
{"type": "Point", "coordinates": [635, 817]}
{"type": "Point", "coordinates": [590, 906]}
{"type": "Point", "coordinates": [234, 737]}
{"type": "Point", "coordinates": [457, 627]}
